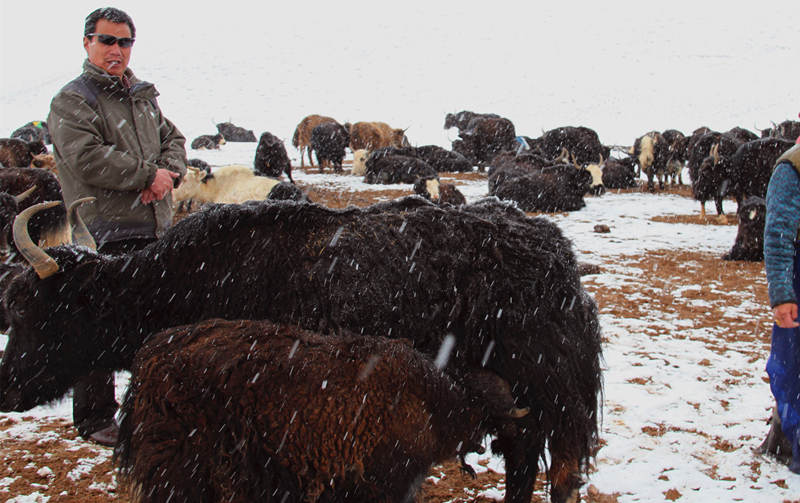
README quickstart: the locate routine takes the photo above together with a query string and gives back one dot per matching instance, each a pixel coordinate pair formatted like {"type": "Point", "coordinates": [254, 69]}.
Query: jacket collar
{"type": "Point", "coordinates": [134, 87]}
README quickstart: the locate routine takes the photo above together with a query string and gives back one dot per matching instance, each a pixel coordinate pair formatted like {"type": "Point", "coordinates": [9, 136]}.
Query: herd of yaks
{"type": "Point", "coordinates": [235, 388]}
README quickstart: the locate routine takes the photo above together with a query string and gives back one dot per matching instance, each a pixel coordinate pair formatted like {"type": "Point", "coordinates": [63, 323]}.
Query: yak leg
{"type": "Point", "coordinates": [521, 456]}
{"type": "Point", "coordinates": [310, 160]}
{"type": "Point", "coordinates": [565, 479]}
{"type": "Point", "coordinates": [703, 210]}
{"type": "Point", "coordinates": [302, 152]}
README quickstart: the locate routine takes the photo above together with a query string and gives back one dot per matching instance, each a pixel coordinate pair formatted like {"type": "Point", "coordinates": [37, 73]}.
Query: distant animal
{"type": "Point", "coordinates": [360, 162]}
{"type": "Point", "coordinates": [311, 416]}
{"type": "Point", "coordinates": [581, 144]}
{"type": "Point", "coordinates": [200, 164]}
{"type": "Point", "coordinates": [749, 243]}
{"type": "Point", "coordinates": [389, 169]}
{"type": "Point", "coordinates": [329, 141]}
{"type": "Point", "coordinates": [788, 130]}
{"type": "Point", "coordinates": [443, 160]}
{"type": "Point", "coordinates": [302, 134]}
{"type": "Point", "coordinates": [15, 153]}
{"type": "Point", "coordinates": [208, 142]}
{"type": "Point", "coordinates": [506, 286]}
{"type": "Point", "coordinates": [32, 132]}
{"type": "Point", "coordinates": [553, 188]}
{"type": "Point", "coordinates": [440, 193]}
{"type": "Point", "coordinates": [651, 153]}
{"type": "Point", "coordinates": [227, 184]}
{"type": "Point", "coordinates": [374, 135]}
{"type": "Point", "coordinates": [286, 191]}
{"type": "Point", "coordinates": [748, 170]}
{"type": "Point", "coordinates": [235, 133]}
{"type": "Point", "coordinates": [619, 173]}
{"type": "Point", "coordinates": [485, 138]}
{"type": "Point", "coordinates": [464, 118]}
{"type": "Point", "coordinates": [741, 134]}
{"type": "Point", "coordinates": [676, 155]}
{"type": "Point", "coordinates": [710, 176]}
{"type": "Point", "coordinates": [271, 158]}
{"type": "Point", "coordinates": [597, 187]}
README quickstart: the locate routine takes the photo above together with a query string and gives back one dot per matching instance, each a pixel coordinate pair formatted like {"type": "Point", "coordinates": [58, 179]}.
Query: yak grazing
{"type": "Point", "coordinates": [278, 395]}
{"type": "Point", "coordinates": [504, 285]}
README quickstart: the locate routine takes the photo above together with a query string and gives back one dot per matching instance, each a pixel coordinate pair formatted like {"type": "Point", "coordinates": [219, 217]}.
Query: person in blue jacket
{"type": "Point", "coordinates": [782, 264]}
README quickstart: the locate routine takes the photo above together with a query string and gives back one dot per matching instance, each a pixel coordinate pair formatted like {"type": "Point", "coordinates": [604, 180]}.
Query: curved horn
{"type": "Point", "coordinates": [80, 233]}
{"type": "Point", "coordinates": [42, 263]}
{"type": "Point", "coordinates": [21, 197]}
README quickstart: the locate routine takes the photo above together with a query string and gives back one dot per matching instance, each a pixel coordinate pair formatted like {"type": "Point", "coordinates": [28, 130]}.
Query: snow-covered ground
{"type": "Point", "coordinates": [659, 436]}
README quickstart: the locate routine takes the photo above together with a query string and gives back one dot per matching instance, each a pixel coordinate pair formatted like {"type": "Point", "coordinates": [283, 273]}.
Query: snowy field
{"type": "Point", "coordinates": [659, 436]}
{"type": "Point", "coordinates": [680, 416]}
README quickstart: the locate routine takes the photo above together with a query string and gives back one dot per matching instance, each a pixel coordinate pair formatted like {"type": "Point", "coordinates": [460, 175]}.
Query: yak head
{"type": "Point", "coordinates": [43, 356]}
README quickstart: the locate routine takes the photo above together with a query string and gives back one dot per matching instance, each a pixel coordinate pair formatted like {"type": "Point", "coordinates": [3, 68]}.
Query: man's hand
{"type": "Point", "coordinates": [786, 315]}
{"type": "Point", "coordinates": [160, 187]}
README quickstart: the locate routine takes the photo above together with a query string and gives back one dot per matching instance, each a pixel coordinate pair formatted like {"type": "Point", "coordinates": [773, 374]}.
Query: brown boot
{"type": "Point", "coordinates": [776, 443]}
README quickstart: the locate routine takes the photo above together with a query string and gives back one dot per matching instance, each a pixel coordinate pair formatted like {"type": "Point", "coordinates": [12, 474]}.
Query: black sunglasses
{"type": "Point", "coordinates": [124, 42]}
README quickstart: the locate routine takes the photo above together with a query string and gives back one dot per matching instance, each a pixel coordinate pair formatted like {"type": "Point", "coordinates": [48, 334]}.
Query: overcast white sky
{"type": "Point", "coordinates": [622, 68]}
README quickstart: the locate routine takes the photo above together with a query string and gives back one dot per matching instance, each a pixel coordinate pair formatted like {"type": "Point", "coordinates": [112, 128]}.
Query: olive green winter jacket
{"type": "Point", "coordinates": [108, 141]}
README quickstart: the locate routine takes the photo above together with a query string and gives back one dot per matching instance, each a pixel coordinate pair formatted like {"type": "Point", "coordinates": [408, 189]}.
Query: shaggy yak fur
{"type": "Point", "coordinates": [232, 132]}
{"type": "Point", "coordinates": [302, 134]}
{"type": "Point", "coordinates": [505, 285]}
{"type": "Point", "coordinates": [619, 173]}
{"type": "Point", "coordinates": [47, 227]}
{"type": "Point", "coordinates": [485, 138]}
{"type": "Point", "coordinates": [464, 118]}
{"type": "Point", "coordinates": [15, 153]}
{"type": "Point", "coordinates": [749, 169]}
{"type": "Point", "coordinates": [581, 143]}
{"type": "Point", "coordinates": [208, 142]}
{"type": "Point", "coordinates": [389, 169]}
{"type": "Point", "coordinates": [247, 411]}
{"type": "Point", "coordinates": [788, 130]}
{"type": "Point", "coordinates": [329, 141]}
{"type": "Point", "coordinates": [271, 158]}
{"type": "Point", "coordinates": [749, 244]}
{"type": "Point", "coordinates": [523, 179]}
{"type": "Point", "coordinates": [33, 131]}
{"type": "Point", "coordinates": [443, 160]}
{"type": "Point", "coordinates": [710, 177]}
{"type": "Point", "coordinates": [440, 193]}
{"type": "Point", "coordinates": [374, 135]}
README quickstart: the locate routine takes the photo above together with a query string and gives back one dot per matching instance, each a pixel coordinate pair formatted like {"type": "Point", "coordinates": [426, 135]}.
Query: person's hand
{"type": "Point", "coordinates": [160, 187]}
{"type": "Point", "coordinates": [786, 315]}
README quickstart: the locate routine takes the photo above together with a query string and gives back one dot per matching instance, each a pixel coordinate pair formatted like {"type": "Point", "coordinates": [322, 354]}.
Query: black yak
{"type": "Point", "coordinates": [271, 158]}
{"type": "Point", "coordinates": [749, 243]}
{"type": "Point", "coordinates": [505, 285]}
{"type": "Point", "coordinates": [329, 141]}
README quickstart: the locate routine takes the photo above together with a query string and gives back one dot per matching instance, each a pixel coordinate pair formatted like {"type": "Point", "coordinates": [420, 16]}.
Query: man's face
{"type": "Point", "coordinates": [111, 58]}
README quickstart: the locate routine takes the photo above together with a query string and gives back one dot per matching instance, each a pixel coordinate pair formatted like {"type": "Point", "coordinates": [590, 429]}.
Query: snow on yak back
{"type": "Point", "coordinates": [381, 412]}
{"type": "Point", "coordinates": [505, 285]}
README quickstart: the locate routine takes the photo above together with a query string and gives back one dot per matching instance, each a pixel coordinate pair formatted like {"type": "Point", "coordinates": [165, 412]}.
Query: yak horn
{"type": "Point", "coordinates": [21, 197]}
{"type": "Point", "coordinates": [42, 263]}
{"type": "Point", "coordinates": [80, 233]}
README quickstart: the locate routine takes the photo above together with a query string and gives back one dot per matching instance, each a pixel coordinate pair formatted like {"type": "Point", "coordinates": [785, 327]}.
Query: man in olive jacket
{"type": "Point", "coordinates": [111, 141]}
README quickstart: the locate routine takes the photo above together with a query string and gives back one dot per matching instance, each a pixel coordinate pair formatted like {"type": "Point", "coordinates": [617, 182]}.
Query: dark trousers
{"type": "Point", "coordinates": [93, 401]}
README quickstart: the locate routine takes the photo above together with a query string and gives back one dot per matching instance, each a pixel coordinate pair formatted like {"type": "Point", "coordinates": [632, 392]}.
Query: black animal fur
{"type": "Point", "coordinates": [505, 285]}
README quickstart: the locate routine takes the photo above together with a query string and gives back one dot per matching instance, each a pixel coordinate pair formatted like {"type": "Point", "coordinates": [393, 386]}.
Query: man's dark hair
{"type": "Point", "coordinates": [110, 14]}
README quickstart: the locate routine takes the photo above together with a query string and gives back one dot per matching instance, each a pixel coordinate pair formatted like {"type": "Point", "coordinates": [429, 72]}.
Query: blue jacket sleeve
{"type": "Point", "coordinates": [780, 233]}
